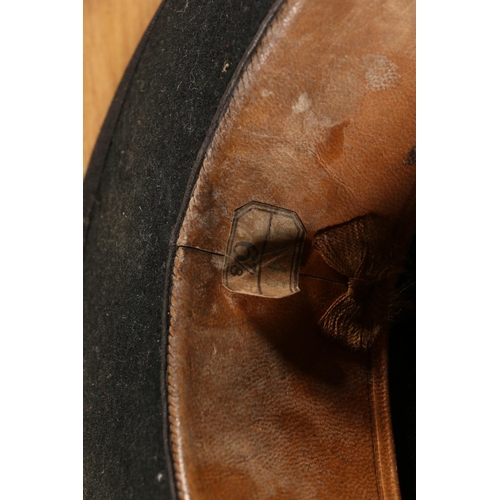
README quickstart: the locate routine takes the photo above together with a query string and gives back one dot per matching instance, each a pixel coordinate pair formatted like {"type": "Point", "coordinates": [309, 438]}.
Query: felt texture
{"type": "Point", "coordinates": [132, 194]}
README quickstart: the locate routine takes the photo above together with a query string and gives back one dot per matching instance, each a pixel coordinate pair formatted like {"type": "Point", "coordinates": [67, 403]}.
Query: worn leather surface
{"type": "Point", "coordinates": [322, 123]}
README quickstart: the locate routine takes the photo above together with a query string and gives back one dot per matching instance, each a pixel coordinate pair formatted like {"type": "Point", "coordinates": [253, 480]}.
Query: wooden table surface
{"type": "Point", "coordinates": [112, 30]}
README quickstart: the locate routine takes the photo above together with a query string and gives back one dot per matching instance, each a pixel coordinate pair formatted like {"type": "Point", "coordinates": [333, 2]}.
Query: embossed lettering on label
{"type": "Point", "coordinates": [263, 251]}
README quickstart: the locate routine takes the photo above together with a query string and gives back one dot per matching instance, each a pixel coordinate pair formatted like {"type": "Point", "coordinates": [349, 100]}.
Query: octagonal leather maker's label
{"type": "Point", "coordinates": [263, 251]}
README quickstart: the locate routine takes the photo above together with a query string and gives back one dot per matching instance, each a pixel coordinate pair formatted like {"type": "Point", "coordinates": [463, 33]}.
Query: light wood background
{"type": "Point", "coordinates": [112, 30]}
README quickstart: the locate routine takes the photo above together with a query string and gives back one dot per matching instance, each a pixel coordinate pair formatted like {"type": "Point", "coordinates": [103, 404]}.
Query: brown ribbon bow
{"type": "Point", "coordinates": [360, 250]}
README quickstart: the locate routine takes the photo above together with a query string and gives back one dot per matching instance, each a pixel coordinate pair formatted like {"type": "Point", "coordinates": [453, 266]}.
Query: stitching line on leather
{"type": "Point", "coordinates": [222, 255]}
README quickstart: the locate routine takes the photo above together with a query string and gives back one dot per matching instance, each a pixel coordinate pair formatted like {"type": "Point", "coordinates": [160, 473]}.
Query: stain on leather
{"type": "Point", "coordinates": [329, 150]}
{"type": "Point", "coordinates": [380, 72]}
{"type": "Point", "coordinates": [412, 157]}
